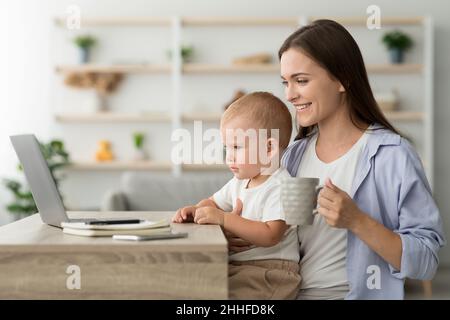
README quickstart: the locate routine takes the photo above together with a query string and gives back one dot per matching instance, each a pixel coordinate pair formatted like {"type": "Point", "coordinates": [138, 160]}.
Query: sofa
{"type": "Point", "coordinates": [156, 191]}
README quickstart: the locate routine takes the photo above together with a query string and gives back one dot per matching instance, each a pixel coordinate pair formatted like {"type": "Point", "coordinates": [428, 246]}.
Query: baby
{"type": "Point", "coordinates": [255, 129]}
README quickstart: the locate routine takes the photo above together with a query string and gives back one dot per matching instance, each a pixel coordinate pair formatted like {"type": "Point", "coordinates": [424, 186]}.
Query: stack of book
{"type": "Point", "coordinates": [144, 228]}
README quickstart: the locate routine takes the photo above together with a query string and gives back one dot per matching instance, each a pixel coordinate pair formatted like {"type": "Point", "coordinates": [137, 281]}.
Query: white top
{"type": "Point", "coordinates": [261, 203]}
{"type": "Point", "coordinates": [322, 247]}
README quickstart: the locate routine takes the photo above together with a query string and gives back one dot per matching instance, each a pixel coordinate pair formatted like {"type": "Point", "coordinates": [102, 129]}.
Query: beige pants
{"type": "Point", "coordinates": [263, 280]}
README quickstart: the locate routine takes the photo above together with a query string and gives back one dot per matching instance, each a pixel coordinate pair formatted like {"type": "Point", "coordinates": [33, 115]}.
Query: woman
{"type": "Point", "coordinates": [377, 221]}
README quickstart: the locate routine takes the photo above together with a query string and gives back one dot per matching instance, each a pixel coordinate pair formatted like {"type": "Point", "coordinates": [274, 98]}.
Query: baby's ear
{"type": "Point", "coordinates": [273, 146]}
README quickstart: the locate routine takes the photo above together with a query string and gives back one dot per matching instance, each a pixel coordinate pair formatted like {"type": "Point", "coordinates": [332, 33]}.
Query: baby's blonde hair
{"type": "Point", "coordinates": [264, 111]}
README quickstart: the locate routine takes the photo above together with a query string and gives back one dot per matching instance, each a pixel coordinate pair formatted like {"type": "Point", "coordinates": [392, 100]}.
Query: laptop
{"type": "Point", "coordinates": [43, 186]}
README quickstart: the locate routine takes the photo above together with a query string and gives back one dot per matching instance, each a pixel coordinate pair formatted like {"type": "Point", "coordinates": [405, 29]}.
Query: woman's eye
{"type": "Point", "coordinates": [302, 81]}
{"type": "Point", "coordinates": [284, 83]}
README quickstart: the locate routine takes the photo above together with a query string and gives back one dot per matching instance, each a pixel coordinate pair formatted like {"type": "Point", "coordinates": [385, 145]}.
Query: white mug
{"type": "Point", "coordinates": [299, 199]}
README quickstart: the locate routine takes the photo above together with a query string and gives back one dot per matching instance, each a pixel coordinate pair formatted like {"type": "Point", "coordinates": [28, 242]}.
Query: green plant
{"type": "Point", "coordinates": [23, 202]}
{"type": "Point", "coordinates": [85, 41]}
{"type": "Point", "coordinates": [186, 53]}
{"type": "Point", "coordinates": [138, 138]}
{"type": "Point", "coordinates": [397, 40]}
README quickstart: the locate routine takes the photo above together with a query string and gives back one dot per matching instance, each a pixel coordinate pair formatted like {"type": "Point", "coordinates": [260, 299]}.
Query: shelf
{"type": "Point", "coordinates": [112, 117]}
{"type": "Point", "coordinates": [218, 68]}
{"type": "Point", "coordinates": [120, 165]}
{"type": "Point", "coordinates": [206, 117]}
{"type": "Point", "coordinates": [362, 21]}
{"type": "Point", "coordinates": [118, 21]}
{"type": "Point", "coordinates": [140, 165]}
{"type": "Point", "coordinates": [404, 115]}
{"type": "Point", "coordinates": [239, 21]}
{"type": "Point", "coordinates": [119, 68]}
{"type": "Point", "coordinates": [192, 68]}
{"type": "Point", "coordinates": [394, 68]}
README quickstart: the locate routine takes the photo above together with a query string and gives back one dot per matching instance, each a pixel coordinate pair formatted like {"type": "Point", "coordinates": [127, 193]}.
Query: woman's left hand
{"type": "Point", "coordinates": [337, 207]}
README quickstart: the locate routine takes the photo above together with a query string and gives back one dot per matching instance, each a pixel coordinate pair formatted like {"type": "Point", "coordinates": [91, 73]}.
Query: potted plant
{"type": "Point", "coordinates": [397, 43]}
{"type": "Point", "coordinates": [138, 139]}
{"type": "Point", "coordinates": [23, 203]}
{"type": "Point", "coordinates": [84, 43]}
{"type": "Point", "coordinates": [186, 53]}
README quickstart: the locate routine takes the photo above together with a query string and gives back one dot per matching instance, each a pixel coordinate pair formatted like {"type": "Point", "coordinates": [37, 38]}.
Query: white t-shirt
{"type": "Point", "coordinates": [322, 247]}
{"type": "Point", "coordinates": [261, 203]}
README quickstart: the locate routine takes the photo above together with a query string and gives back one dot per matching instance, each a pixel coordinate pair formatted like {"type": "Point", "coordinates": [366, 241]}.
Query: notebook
{"type": "Point", "coordinates": [146, 227]}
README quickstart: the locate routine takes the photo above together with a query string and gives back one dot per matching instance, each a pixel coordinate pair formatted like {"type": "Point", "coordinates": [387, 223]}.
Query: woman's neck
{"type": "Point", "coordinates": [337, 134]}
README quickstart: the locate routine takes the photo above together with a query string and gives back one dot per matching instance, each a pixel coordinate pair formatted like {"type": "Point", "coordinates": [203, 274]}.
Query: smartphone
{"type": "Point", "coordinates": [159, 236]}
{"type": "Point", "coordinates": [107, 222]}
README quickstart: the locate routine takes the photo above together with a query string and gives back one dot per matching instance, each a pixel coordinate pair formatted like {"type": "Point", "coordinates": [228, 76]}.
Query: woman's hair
{"type": "Point", "coordinates": [332, 46]}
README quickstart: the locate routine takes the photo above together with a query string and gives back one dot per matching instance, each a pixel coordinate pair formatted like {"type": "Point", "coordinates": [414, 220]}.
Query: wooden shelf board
{"type": "Point", "coordinates": [217, 68]}
{"type": "Point", "coordinates": [140, 165]}
{"type": "Point", "coordinates": [239, 21]}
{"type": "Point", "coordinates": [394, 68]}
{"type": "Point", "coordinates": [362, 21]}
{"type": "Point", "coordinates": [112, 117]}
{"type": "Point", "coordinates": [99, 68]}
{"type": "Point", "coordinates": [404, 115]}
{"type": "Point", "coordinates": [120, 165]}
{"type": "Point", "coordinates": [117, 21]}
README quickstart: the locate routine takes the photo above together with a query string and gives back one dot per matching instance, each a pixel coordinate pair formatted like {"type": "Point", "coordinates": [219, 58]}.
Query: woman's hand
{"type": "Point", "coordinates": [337, 207]}
{"type": "Point", "coordinates": [236, 244]}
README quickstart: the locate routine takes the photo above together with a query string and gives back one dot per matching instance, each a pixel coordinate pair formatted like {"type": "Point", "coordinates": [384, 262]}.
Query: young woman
{"type": "Point", "coordinates": [377, 221]}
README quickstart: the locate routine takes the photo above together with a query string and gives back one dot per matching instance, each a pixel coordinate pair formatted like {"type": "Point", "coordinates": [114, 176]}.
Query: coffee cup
{"type": "Point", "coordinates": [299, 199]}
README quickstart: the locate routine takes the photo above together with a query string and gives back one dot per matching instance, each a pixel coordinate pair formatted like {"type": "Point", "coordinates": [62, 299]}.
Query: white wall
{"type": "Point", "coordinates": [26, 105]}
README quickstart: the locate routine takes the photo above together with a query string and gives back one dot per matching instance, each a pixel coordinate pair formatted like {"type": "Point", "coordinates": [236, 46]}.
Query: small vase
{"type": "Point", "coordinates": [139, 155]}
{"type": "Point", "coordinates": [396, 55]}
{"type": "Point", "coordinates": [84, 55]}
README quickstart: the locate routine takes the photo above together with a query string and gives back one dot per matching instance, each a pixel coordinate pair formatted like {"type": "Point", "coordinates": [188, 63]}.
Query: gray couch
{"type": "Point", "coordinates": [148, 191]}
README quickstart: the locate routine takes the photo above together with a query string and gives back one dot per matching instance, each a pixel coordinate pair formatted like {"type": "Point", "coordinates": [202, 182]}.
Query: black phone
{"type": "Point", "coordinates": [107, 222]}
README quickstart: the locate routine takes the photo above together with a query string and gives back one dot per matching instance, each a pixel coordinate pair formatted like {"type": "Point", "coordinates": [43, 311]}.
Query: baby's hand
{"type": "Point", "coordinates": [185, 214]}
{"type": "Point", "coordinates": [209, 215]}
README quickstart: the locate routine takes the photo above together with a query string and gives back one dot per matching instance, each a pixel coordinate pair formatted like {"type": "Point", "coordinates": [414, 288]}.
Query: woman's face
{"type": "Point", "coordinates": [308, 86]}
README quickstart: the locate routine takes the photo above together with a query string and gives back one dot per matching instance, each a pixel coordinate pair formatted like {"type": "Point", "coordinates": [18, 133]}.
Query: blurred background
{"type": "Point", "coordinates": [103, 85]}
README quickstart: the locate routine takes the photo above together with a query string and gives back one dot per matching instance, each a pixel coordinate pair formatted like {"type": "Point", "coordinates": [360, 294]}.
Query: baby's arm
{"type": "Point", "coordinates": [186, 214]}
{"type": "Point", "coordinates": [261, 234]}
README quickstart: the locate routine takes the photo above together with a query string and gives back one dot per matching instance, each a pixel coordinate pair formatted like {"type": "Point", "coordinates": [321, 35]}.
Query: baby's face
{"type": "Point", "coordinates": [245, 149]}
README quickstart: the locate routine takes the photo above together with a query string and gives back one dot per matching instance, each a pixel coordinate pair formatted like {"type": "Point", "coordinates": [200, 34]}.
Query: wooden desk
{"type": "Point", "coordinates": [34, 258]}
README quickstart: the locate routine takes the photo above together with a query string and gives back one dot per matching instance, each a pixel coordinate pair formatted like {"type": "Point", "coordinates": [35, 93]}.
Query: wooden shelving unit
{"type": "Point", "coordinates": [176, 116]}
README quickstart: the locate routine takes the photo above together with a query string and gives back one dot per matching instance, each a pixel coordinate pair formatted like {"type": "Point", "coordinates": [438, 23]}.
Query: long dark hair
{"type": "Point", "coordinates": [332, 46]}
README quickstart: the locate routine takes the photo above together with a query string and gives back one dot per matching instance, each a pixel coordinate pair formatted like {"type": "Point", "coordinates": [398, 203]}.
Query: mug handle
{"type": "Point", "coordinates": [315, 211]}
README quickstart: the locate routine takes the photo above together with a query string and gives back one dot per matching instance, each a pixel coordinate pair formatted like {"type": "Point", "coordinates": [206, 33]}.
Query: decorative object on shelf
{"type": "Point", "coordinates": [187, 52]}
{"type": "Point", "coordinates": [85, 43]}
{"type": "Point", "coordinates": [23, 203]}
{"type": "Point", "coordinates": [138, 139]}
{"type": "Point", "coordinates": [237, 94]}
{"type": "Point", "coordinates": [397, 43]}
{"type": "Point", "coordinates": [103, 83]}
{"type": "Point", "coordinates": [259, 58]}
{"type": "Point", "coordinates": [104, 152]}
{"type": "Point", "coordinates": [387, 101]}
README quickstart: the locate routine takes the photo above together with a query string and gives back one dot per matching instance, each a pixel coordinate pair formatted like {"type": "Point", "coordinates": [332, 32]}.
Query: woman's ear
{"type": "Point", "coordinates": [341, 87]}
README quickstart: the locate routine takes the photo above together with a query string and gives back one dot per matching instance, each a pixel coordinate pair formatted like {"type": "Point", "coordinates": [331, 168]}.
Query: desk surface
{"type": "Point", "coordinates": [32, 232]}
{"type": "Point", "coordinates": [34, 262]}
